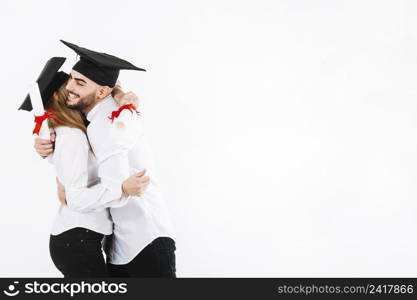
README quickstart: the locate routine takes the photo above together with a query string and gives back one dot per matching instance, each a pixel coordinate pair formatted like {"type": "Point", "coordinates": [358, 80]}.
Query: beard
{"type": "Point", "coordinates": [82, 103]}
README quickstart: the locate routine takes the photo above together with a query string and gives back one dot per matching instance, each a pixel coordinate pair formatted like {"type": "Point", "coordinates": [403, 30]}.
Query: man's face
{"type": "Point", "coordinates": [82, 92]}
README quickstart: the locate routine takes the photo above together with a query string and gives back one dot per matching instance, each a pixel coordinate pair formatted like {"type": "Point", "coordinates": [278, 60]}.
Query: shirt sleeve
{"type": "Point", "coordinates": [71, 163]}
{"type": "Point", "coordinates": [111, 142]}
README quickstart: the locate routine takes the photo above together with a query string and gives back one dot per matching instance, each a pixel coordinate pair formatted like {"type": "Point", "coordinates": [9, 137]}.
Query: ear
{"type": "Point", "coordinates": [103, 92]}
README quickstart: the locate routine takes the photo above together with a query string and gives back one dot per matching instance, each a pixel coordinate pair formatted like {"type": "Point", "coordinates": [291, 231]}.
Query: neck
{"type": "Point", "coordinates": [86, 110]}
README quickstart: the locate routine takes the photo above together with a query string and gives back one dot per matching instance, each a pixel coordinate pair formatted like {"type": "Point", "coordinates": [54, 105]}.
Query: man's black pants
{"type": "Point", "coordinates": [156, 260]}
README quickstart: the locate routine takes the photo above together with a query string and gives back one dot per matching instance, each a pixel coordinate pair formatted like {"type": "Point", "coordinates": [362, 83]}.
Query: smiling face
{"type": "Point", "coordinates": [83, 93]}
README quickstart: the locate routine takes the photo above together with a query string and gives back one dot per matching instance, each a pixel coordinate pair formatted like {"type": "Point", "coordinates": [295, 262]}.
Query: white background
{"type": "Point", "coordinates": [285, 132]}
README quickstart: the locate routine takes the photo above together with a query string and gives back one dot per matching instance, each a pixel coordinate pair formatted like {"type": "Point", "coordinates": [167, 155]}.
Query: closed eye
{"type": "Point", "coordinates": [79, 81]}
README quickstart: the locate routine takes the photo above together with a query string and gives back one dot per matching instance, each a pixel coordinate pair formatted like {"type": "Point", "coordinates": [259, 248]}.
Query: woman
{"type": "Point", "coordinates": [76, 237]}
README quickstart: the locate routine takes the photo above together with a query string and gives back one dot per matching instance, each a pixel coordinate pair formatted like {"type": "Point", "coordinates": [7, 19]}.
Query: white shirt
{"type": "Point", "coordinates": [121, 150]}
{"type": "Point", "coordinates": [76, 169]}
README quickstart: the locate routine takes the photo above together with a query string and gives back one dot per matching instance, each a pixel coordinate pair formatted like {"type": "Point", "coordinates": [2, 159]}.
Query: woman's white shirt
{"type": "Point", "coordinates": [76, 169]}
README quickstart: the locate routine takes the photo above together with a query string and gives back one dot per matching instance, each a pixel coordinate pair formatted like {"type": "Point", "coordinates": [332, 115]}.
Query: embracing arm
{"type": "Point", "coordinates": [71, 163]}
{"type": "Point", "coordinates": [123, 98]}
{"type": "Point", "coordinates": [135, 185]}
{"type": "Point", "coordinates": [45, 147]}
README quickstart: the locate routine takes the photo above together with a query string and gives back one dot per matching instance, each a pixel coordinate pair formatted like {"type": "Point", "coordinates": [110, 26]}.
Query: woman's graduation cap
{"type": "Point", "coordinates": [41, 91]}
{"type": "Point", "coordinates": [101, 68]}
{"type": "Point", "coordinates": [48, 81]}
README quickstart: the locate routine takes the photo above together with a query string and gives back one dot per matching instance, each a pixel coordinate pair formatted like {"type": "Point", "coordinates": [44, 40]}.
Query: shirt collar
{"type": "Point", "coordinates": [90, 115]}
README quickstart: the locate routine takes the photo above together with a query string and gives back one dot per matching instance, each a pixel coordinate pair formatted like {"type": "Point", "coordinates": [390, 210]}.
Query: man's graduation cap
{"type": "Point", "coordinates": [101, 68]}
{"type": "Point", "coordinates": [49, 81]}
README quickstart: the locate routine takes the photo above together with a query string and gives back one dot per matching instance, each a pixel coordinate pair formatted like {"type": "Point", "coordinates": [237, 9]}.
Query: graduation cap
{"type": "Point", "coordinates": [48, 81]}
{"type": "Point", "coordinates": [41, 91]}
{"type": "Point", "coordinates": [101, 68]}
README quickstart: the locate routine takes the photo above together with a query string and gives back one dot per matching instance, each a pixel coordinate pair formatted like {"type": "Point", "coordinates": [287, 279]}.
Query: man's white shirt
{"type": "Point", "coordinates": [121, 150]}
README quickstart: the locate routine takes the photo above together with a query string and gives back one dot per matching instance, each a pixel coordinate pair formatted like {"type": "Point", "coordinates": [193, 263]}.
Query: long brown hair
{"type": "Point", "coordinates": [66, 116]}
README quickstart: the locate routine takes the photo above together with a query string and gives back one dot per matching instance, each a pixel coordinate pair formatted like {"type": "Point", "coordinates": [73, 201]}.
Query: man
{"type": "Point", "coordinates": [143, 244]}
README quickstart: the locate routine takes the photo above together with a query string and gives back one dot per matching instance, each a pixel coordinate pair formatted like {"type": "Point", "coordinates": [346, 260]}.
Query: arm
{"type": "Point", "coordinates": [45, 147]}
{"type": "Point", "coordinates": [123, 98]}
{"type": "Point", "coordinates": [111, 144]}
{"type": "Point", "coordinates": [135, 185]}
{"type": "Point", "coordinates": [60, 192]}
{"type": "Point", "coordinates": [71, 163]}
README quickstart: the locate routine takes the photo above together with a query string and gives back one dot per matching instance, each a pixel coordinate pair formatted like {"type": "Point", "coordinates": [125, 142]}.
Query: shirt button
{"type": "Point", "coordinates": [67, 245]}
{"type": "Point", "coordinates": [82, 241]}
{"type": "Point", "coordinates": [86, 230]}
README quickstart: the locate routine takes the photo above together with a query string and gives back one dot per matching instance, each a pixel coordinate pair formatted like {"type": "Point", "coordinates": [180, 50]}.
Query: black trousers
{"type": "Point", "coordinates": [78, 253]}
{"type": "Point", "coordinates": [156, 260]}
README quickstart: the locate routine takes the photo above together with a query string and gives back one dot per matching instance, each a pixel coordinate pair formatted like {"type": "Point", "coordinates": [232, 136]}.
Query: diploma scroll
{"type": "Point", "coordinates": [39, 110]}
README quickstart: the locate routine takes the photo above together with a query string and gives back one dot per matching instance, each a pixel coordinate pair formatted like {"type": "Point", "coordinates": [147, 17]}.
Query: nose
{"type": "Point", "coordinates": [69, 85]}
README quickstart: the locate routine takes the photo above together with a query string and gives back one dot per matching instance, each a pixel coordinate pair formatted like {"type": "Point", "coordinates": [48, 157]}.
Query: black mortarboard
{"type": "Point", "coordinates": [101, 68]}
{"type": "Point", "coordinates": [49, 81]}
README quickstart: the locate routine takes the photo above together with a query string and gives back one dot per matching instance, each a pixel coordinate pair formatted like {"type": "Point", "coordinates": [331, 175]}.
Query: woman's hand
{"type": "Point", "coordinates": [44, 147]}
{"type": "Point", "coordinates": [125, 98]}
{"type": "Point", "coordinates": [136, 184]}
{"type": "Point", "coordinates": [61, 192]}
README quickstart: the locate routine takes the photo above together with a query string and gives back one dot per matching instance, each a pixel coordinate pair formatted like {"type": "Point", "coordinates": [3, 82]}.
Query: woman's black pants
{"type": "Point", "coordinates": [78, 253]}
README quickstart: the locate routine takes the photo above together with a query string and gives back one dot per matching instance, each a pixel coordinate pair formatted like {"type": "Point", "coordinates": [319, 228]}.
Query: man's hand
{"type": "Point", "coordinates": [125, 98]}
{"type": "Point", "coordinates": [61, 192]}
{"type": "Point", "coordinates": [136, 184]}
{"type": "Point", "coordinates": [44, 147]}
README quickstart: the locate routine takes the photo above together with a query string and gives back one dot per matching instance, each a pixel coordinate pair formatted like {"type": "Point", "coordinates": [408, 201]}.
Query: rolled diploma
{"type": "Point", "coordinates": [39, 110]}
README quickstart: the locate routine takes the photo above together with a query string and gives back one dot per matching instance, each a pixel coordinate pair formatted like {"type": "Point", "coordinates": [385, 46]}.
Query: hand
{"type": "Point", "coordinates": [126, 98]}
{"type": "Point", "coordinates": [136, 184]}
{"type": "Point", "coordinates": [61, 192]}
{"type": "Point", "coordinates": [44, 147]}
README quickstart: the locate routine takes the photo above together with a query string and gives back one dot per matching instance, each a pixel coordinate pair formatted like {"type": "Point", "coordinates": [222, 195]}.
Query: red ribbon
{"type": "Point", "coordinates": [116, 113]}
{"type": "Point", "coordinates": [39, 120]}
